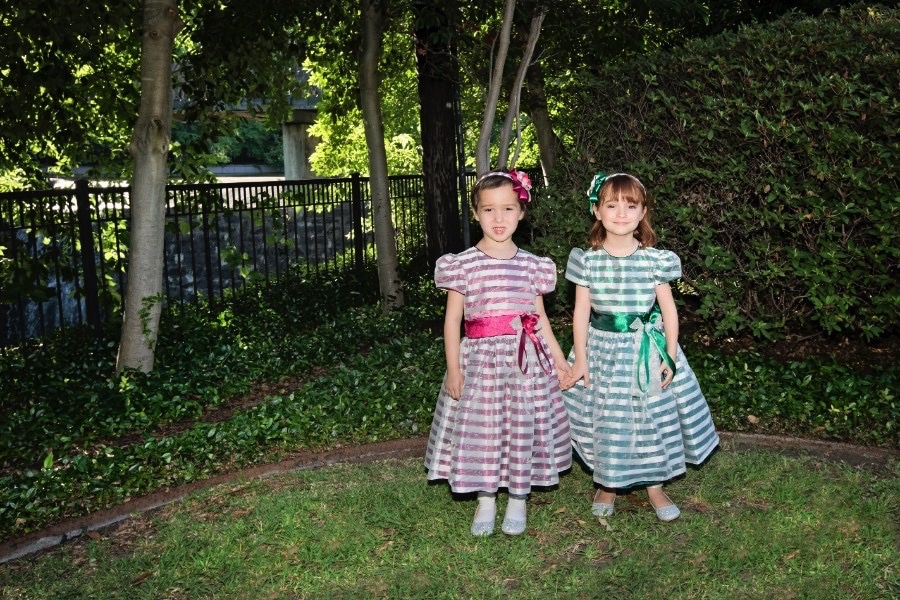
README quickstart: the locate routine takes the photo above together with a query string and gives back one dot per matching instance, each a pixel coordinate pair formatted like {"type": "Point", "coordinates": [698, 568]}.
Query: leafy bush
{"type": "Point", "coordinates": [75, 436]}
{"type": "Point", "coordinates": [311, 363]}
{"type": "Point", "coordinates": [772, 157]}
{"type": "Point", "coordinates": [246, 141]}
{"type": "Point", "coordinates": [814, 398]}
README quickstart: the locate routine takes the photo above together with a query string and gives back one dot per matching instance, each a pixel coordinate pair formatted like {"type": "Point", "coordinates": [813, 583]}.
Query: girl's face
{"type": "Point", "coordinates": [499, 212]}
{"type": "Point", "coordinates": [620, 216]}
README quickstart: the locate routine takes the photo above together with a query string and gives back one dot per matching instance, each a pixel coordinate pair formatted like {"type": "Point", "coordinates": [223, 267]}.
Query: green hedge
{"type": "Point", "coordinates": [771, 154]}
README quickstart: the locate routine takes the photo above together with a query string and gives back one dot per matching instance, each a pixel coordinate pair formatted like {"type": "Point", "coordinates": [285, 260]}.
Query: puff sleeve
{"type": "Point", "coordinates": [449, 274]}
{"type": "Point", "coordinates": [575, 268]}
{"type": "Point", "coordinates": [544, 276]}
{"type": "Point", "coordinates": [666, 266]}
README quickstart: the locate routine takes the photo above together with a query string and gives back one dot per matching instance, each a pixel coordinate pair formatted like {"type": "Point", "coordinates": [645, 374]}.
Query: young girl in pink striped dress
{"type": "Point", "coordinates": [500, 421]}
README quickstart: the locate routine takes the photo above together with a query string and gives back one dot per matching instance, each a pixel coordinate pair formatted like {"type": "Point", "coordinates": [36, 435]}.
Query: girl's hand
{"type": "Point", "coordinates": [563, 371]}
{"type": "Point", "coordinates": [665, 374]}
{"type": "Point", "coordinates": [454, 384]}
{"type": "Point", "coordinates": [577, 372]}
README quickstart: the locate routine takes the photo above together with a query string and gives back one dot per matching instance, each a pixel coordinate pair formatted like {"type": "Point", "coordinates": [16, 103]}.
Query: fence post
{"type": "Point", "coordinates": [356, 207]}
{"type": "Point", "coordinates": [210, 287]}
{"type": "Point", "coordinates": [88, 259]}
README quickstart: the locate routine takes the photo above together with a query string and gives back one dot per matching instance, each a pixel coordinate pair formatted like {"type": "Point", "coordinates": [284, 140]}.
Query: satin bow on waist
{"type": "Point", "coordinates": [503, 325]}
{"type": "Point", "coordinates": [645, 326]}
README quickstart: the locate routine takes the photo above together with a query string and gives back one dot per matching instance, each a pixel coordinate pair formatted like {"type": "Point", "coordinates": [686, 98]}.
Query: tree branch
{"type": "Point", "coordinates": [515, 95]}
{"type": "Point", "coordinates": [482, 150]}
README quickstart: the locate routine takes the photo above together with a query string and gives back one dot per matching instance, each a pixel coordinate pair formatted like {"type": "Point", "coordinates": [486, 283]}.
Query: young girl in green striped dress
{"type": "Point", "coordinates": [636, 412]}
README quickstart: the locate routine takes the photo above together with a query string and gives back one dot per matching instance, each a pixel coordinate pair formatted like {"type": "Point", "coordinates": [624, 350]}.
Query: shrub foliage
{"type": "Point", "coordinates": [771, 155]}
{"type": "Point", "coordinates": [307, 364]}
{"type": "Point", "coordinates": [781, 208]}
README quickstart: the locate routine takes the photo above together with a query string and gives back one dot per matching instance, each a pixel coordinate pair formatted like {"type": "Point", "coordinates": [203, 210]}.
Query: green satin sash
{"type": "Point", "coordinates": [650, 335]}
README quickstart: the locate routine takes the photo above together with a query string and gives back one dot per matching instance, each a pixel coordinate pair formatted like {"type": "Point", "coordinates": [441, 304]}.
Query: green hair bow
{"type": "Point", "coordinates": [593, 192]}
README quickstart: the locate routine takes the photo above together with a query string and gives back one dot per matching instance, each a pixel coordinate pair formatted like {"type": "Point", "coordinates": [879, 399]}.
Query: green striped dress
{"type": "Point", "coordinates": [627, 436]}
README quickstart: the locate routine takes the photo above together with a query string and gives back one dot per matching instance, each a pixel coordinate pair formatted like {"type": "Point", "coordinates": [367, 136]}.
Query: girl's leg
{"type": "Point", "coordinates": [483, 524]}
{"type": "Point", "coordinates": [662, 504]}
{"type": "Point", "coordinates": [604, 502]}
{"type": "Point", "coordinates": [515, 518]}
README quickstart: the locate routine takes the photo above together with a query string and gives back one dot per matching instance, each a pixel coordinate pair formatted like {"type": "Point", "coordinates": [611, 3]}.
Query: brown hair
{"type": "Point", "coordinates": [489, 181]}
{"type": "Point", "coordinates": [625, 187]}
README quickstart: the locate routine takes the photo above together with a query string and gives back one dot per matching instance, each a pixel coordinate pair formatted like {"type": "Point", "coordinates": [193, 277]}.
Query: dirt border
{"type": "Point", "coordinates": [876, 459]}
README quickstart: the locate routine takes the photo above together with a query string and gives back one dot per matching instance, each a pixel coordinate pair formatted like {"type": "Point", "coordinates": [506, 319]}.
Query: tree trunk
{"type": "Point", "coordinates": [149, 146]}
{"type": "Point", "coordinates": [512, 113]}
{"type": "Point", "coordinates": [374, 17]}
{"type": "Point", "coordinates": [483, 149]}
{"type": "Point", "coordinates": [495, 86]}
{"type": "Point", "coordinates": [534, 102]}
{"type": "Point", "coordinates": [438, 76]}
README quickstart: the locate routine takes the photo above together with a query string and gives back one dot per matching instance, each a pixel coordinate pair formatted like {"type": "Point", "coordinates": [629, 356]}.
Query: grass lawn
{"type": "Point", "coordinates": [755, 524]}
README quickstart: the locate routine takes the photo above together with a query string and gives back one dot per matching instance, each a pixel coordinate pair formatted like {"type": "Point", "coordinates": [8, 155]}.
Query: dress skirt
{"type": "Point", "coordinates": [508, 430]}
{"type": "Point", "coordinates": [628, 437]}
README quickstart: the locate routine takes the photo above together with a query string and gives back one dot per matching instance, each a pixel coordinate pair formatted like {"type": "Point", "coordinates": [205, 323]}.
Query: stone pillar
{"type": "Point", "coordinates": [298, 144]}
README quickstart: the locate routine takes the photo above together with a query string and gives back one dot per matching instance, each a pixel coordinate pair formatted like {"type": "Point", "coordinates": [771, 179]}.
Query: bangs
{"type": "Point", "coordinates": [623, 187]}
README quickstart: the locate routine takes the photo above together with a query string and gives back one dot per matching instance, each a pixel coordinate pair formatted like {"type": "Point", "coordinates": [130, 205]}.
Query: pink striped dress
{"type": "Point", "coordinates": [510, 428]}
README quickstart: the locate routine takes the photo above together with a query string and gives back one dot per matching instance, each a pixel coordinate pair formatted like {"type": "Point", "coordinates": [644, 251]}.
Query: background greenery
{"type": "Point", "coordinates": [310, 364]}
{"type": "Point", "coordinates": [251, 142]}
{"type": "Point", "coordinates": [772, 158]}
{"type": "Point", "coordinates": [771, 155]}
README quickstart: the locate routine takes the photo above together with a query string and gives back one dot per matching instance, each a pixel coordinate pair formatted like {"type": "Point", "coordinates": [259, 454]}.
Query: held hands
{"type": "Point", "coordinates": [576, 372]}
{"type": "Point", "coordinates": [563, 370]}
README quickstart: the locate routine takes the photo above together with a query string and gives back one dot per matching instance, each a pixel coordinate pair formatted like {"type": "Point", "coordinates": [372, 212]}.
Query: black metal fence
{"type": "Point", "coordinates": [63, 252]}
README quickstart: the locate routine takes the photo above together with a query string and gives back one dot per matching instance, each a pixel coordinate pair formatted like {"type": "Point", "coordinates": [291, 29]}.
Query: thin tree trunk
{"type": "Point", "coordinates": [534, 102]}
{"type": "Point", "coordinates": [512, 114]}
{"type": "Point", "coordinates": [483, 149]}
{"type": "Point", "coordinates": [437, 71]}
{"type": "Point", "coordinates": [149, 146]}
{"type": "Point", "coordinates": [374, 17]}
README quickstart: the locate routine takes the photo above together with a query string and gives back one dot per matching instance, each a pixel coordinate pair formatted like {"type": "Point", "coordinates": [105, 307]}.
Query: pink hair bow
{"type": "Point", "coordinates": [521, 185]}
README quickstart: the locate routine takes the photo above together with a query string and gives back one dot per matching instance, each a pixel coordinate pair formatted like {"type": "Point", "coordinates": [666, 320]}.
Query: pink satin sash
{"type": "Point", "coordinates": [502, 325]}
